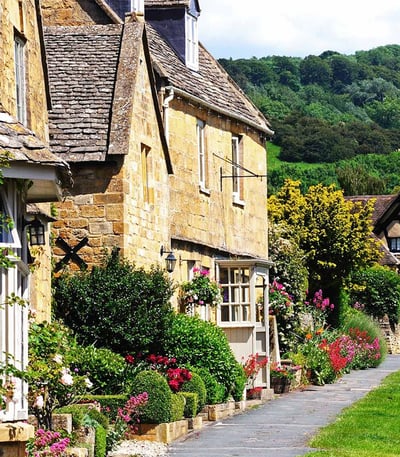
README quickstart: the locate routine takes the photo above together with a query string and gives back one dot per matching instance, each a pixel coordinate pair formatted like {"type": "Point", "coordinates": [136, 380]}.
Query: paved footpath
{"type": "Point", "coordinates": [283, 426]}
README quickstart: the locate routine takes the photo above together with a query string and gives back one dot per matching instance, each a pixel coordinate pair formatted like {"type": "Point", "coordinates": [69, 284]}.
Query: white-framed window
{"type": "Point", "coordinates": [192, 42]}
{"type": "Point", "coordinates": [394, 244]}
{"type": "Point", "coordinates": [9, 236]}
{"type": "Point", "coordinates": [237, 184]}
{"type": "Point", "coordinates": [202, 154]}
{"type": "Point", "coordinates": [137, 6]}
{"type": "Point", "coordinates": [235, 283]}
{"type": "Point", "coordinates": [14, 280]}
{"type": "Point", "coordinates": [20, 74]}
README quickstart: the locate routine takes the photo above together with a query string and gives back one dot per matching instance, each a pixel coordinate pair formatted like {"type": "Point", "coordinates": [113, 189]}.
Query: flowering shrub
{"type": "Point", "coordinates": [366, 350]}
{"type": "Point", "coordinates": [127, 419]}
{"type": "Point", "coordinates": [166, 366]}
{"type": "Point", "coordinates": [280, 302]}
{"type": "Point", "coordinates": [201, 290]}
{"type": "Point", "coordinates": [252, 367]}
{"type": "Point", "coordinates": [282, 306]}
{"type": "Point", "coordinates": [46, 443]}
{"type": "Point", "coordinates": [52, 378]}
{"type": "Point", "coordinates": [319, 307]}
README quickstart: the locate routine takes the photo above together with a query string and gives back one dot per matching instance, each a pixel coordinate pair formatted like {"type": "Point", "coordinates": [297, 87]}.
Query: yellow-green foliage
{"type": "Point", "coordinates": [334, 233]}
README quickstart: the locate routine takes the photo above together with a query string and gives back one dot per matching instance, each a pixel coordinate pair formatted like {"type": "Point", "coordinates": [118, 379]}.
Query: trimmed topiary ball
{"type": "Point", "coordinates": [159, 406]}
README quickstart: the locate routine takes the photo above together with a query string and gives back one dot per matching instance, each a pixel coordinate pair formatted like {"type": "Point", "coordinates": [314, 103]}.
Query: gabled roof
{"type": "Point", "coordinates": [210, 86]}
{"type": "Point", "coordinates": [82, 63]}
{"type": "Point", "coordinates": [92, 74]}
{"type": "Point", "coordinates": [31, 158]}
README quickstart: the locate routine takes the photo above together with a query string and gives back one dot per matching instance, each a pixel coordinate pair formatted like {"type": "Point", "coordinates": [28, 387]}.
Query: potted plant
{"type": "Point", "coordinates": [281, 377]}
{"type": "Point", "coordinates": [252, 367]}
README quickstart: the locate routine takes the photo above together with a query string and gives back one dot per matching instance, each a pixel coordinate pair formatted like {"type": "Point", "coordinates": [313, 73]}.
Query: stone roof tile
{"type": "Point", "coordinates": [82, 64]}
{"type": "Point", "coordinates": [211, 84]}
{"type": "Point", "coordinates": [24, 146]}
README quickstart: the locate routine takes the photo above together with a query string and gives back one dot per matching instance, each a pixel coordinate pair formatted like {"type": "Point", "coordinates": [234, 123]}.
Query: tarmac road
{"type": "Point", "coordinates": [283, 426]}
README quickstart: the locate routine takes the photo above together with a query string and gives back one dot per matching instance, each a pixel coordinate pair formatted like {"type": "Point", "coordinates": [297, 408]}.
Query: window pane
{"type": "Point", "coordinates": [224, 313]}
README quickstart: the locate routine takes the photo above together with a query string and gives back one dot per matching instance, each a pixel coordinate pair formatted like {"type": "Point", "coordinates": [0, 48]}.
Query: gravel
{"type": "Point", "coordinates": [135, 448]}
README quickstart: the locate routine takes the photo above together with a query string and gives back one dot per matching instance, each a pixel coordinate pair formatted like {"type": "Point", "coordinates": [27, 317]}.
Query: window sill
{"type": "Point", "coordinates": [246, 324]}
{"type": "Point", "coordinates": [237, 201]}
{"type": "Point", "coordinates": [204, 190]}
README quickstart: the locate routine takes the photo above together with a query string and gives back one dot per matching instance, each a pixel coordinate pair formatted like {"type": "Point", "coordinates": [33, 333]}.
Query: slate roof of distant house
{"type": "Point", "coordinates": [211, 85]}
{"type": "Point", "coordinates": [25, 147]}
{"type": "Point", "coordinates": [381, 205]}
{"type": "Point", "coordinates": [82, 63]}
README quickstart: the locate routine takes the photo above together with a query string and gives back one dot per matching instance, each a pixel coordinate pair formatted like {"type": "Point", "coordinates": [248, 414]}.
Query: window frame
{"type": "Point", "coordinates": [191, 42]}
{"type": "Point", "coordinates": [20, 78]}
{"type": "Point", "coordinates": [202, 155]}
{"type": "Point", "coordinates": [11, 212]}
{"type": "Point", "coordinates": [237, 183]}
{"type": "Point", "coordinates": [395, 240]}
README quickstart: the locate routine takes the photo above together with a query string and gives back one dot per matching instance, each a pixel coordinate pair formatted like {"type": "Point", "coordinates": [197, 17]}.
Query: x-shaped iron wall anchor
{"type": "Point", "coordinates": [71, 253]}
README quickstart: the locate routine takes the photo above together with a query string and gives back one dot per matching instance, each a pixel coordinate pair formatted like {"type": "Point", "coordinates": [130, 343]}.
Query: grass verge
{"type": "Point", "coordinates": [369, 428]}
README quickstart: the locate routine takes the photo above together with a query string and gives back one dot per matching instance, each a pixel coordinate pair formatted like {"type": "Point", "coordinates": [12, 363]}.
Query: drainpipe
{"type": "Point", "coordinates": [165, 105]}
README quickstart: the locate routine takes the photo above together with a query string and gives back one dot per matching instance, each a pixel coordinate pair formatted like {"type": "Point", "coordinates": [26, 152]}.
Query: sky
{"type": "Point", "coordinates": [261, 28]}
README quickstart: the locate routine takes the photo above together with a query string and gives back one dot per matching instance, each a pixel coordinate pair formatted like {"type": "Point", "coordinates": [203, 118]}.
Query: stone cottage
{"type": "Point", "coordinates": [31, 176]}
{"type": "Point", "coordinates": [209, 197]}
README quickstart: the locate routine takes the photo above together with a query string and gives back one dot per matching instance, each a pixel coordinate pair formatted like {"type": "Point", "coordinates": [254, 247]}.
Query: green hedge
{"type": "Point", "coordinates": [215, 392]}
{"type": "Point", "coordinates": [196, 385]}
{"type": "Point", "coordinates": [191, 404]}
{"type": "Point", "coordinates": [177, 407]}
{"type": "Point", "coordinates": [109, 403]}
{"type": "Point", "coordinates": [159, 406]}
{"type": "Point", "coordinates": [198, 343]}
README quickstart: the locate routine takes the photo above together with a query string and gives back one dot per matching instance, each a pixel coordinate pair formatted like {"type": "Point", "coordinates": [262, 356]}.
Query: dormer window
{"type": "Point", "coordinates": [192, 43]}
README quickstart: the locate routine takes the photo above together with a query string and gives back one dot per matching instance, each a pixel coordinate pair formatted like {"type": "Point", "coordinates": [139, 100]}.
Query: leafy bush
{"type": "Point", "coordinates": [196, 385]}
{"type": "Point", "coordinates": [77, 414]}
{"type": "Point", "coordinates": [215, 391]}
{"type": "Point", "coordinates": [159, 406]}
{"type": "Point", "coordinates": [104, 367]}
{"type": "Point", "coordinates": [359, 320]}
{"type": "Point", "coordinates": [109, 403]}
{"type": "Point", "coordinates": [202, 344]}
{"type": "Point", "coordinates": [191, 404]}
{"type": "Point", "coordinates": [240, 383]}
{"type": "Point", "coordinates": [116, 306]}
{"type": "Point", "coordinates": [377, 291]}
{"type": "Point", "coordinates": [51, 373]}
{"type": "Point", "coordinates": [177, 407]}
{"type": "Point", "coordinates": [100, 444]}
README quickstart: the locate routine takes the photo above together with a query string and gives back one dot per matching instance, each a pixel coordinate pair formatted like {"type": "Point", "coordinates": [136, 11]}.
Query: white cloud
{"type": "Point", "coordinates": [260, 28]}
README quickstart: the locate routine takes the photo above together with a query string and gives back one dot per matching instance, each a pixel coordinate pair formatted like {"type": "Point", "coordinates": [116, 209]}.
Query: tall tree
{"type": "Point", "coordinates": [334, 233]}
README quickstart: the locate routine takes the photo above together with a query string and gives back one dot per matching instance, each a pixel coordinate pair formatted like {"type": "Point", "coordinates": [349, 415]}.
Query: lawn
{"type": "Point", "coordinates": [369, 428]}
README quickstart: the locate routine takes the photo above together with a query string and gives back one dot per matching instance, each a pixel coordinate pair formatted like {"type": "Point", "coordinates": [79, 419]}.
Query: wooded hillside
{"type": "Point", "coordinates": [331, 109]}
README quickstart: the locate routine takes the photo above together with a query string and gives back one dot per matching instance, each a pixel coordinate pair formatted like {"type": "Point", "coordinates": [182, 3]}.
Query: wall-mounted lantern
{"type": "Point", "coordinates": [170, 260]}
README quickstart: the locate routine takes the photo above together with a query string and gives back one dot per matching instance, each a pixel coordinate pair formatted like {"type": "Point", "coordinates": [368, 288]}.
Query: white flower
{"type": "Point", "coordinates": [66, 378]}
{"type": "Point", "coordinates": [88, 383]}
{"type": "Point", "coordinates": [57, 358]}
{"type": "Point", "coordinates": [39, 402]}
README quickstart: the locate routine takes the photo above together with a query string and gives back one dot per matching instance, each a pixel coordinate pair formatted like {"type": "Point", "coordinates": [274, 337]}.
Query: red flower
{"type": "Point", "coordinates": [129, 359]}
